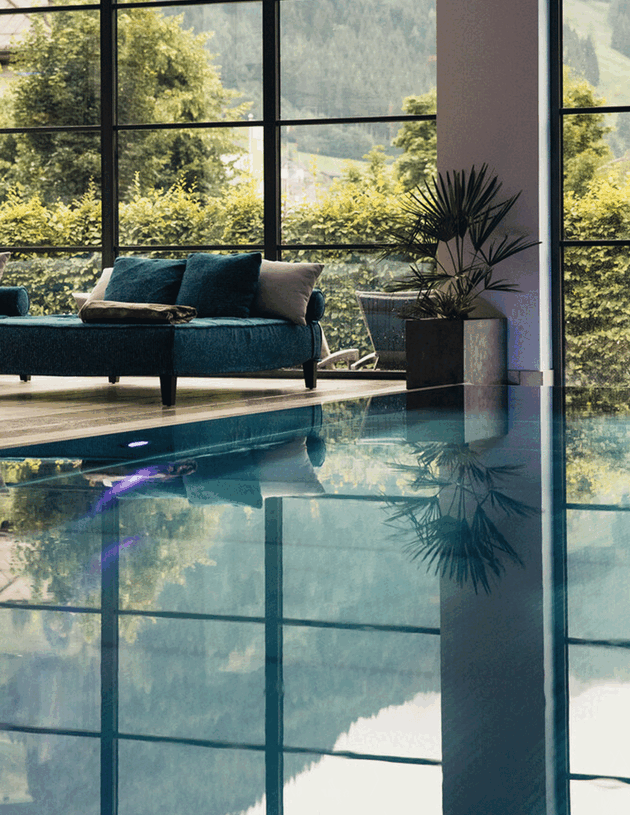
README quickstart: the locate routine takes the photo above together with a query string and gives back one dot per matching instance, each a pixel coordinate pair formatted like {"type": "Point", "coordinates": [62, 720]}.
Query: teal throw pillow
{"type": "Point", "coordinates": [220, 285]}
{"type": "Point", "coordinates": [145, 280]}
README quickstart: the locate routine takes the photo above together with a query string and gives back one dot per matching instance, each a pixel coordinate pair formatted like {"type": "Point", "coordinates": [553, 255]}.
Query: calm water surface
{"type": "Point", "coordinates": [358, 607]}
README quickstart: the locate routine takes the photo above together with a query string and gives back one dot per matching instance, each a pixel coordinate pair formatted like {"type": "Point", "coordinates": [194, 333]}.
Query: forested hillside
{"type": "Point", "coordinates": [339, 59]}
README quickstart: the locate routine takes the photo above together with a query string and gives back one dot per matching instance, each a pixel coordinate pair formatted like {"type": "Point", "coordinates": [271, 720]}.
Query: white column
{"type": "Point", "coordinates": [492, 108]}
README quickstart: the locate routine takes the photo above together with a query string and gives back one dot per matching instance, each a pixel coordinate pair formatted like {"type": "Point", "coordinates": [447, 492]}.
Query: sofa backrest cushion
{"type": "Point", "coordinates": [285, 289]}
{"type": "Point", "coordinates": [220, 285]}
{"type": "Point", "coordinates": [145, 280]}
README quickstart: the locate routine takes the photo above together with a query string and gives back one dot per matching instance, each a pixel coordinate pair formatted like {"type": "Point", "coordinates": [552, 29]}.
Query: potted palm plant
{"type": "Point", "coordinates": [455, 222]}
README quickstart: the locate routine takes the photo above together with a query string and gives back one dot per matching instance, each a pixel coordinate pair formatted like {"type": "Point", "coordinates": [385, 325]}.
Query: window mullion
{"type": "Point", "coordinates": [109, 191]}
{"type": "Point", "coordinates": [271, 128]}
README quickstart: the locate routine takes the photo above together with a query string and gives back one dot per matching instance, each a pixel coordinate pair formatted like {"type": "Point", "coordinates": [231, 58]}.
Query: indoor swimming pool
{"type": "Point", "coordinates": [411, 603]}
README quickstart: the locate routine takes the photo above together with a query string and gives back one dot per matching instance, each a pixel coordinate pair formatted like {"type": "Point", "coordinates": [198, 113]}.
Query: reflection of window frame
{"type": "Point", "coordinates": [271, 124]}
{"type": "Point", "coordinates": [274, 622]}
{"type": "Point", "coordinates": [573, 642]}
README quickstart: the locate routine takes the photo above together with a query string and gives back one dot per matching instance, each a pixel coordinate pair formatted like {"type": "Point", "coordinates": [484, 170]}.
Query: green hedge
{"type": "Point", "coordinates": [357, 209]}
{"type": "Point", "coordinates": [597, 285]}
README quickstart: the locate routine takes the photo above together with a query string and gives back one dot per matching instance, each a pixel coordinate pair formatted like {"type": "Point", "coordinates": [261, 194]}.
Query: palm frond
{"type": "Point", "coordinates": [451, 221]}
{"type": "Point", "coordinates": [506, 248]}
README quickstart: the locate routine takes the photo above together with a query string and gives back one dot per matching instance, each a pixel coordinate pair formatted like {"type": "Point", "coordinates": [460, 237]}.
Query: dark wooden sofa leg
{"type": "Point", "coordinates": [114, 379]}
{"type": "Point", "coordinates": [168, 387]}
{"type": "Point", "coordinates": [25, 377]}
{"type": "Point", "coordinates": [310, 373]}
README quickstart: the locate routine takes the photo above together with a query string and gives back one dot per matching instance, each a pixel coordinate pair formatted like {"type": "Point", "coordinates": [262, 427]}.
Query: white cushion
{"type": "Point", "coordinates": [97, 293]}
{"type": "Point", "coordinates": [284, 289]}
{"type": "Point", "coordinates": [287, 470]}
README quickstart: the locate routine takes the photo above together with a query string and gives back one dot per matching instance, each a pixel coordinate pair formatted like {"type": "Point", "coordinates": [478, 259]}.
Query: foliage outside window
{"type": "Point", "coordinates": [186, 177]}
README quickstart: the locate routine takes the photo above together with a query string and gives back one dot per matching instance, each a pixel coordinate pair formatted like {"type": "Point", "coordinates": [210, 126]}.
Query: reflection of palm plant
{"type": "Point", "coordinates": [452, 528]}
{"type": "Point", "coordinates": [451, 222]}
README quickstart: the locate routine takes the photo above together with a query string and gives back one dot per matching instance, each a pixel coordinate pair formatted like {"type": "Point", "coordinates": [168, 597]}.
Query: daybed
{"type": "Point", "coordinates": [251, 315]}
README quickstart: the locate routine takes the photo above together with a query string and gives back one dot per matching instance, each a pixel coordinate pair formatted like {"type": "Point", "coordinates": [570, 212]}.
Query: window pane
{"type": "Point", "coordinates": [50, 774]}
{"type": "Point", "coordinates": [339, 182]}
{"type": "Point", "coordinates": [49, 669]}
{"type": "Point", "coordinates": [190, 64]}
{"type": "Point", "coordinates": [51, 280]}
{"type": "Point", "coordinates": [180, 779]}
{"type": "Point", "coordinates": [597, 567]}
{"type": "Point", "coordinates": [191, 186]}
{"type": "Point", "coordinates": [205, 560]}
{"type": "Point", "coordinates": [337, 786]}
{"type": "Point", "coordinates": [600, 795]}
{"type": "Point", "coordinates": [335, 680]}
{"type": "Point", "coordinates": [48, 171]}
{"type": "Point", "coordinates": [596, 187]}
{"type": "Point", "coordinates": [349, 59]}
{"type": "Point", "coordinates": [192, 679]}
{"type": "Point", "coordinates": [597, 327]}
{"type": "Point", "coordinates": [52, 78]}
{"type": "Point", "coordinates": [596, 49]}
{"type": "Point", "coordinates": [330, 544]}
{"type": "Point", "coordinates": [599, 709]}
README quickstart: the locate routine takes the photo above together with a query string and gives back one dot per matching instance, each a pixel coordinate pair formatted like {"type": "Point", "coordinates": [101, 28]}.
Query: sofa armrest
{"type": "Point", "coordinates": [316, 306]}
{"type": "Point", "coordinates": [14, 301]}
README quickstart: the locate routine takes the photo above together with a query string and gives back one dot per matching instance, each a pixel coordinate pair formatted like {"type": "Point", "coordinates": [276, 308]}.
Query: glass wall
{"type": "Point", "coordinates": [595, 210]}
{"type": "Point", "coordinates": [288, 127]}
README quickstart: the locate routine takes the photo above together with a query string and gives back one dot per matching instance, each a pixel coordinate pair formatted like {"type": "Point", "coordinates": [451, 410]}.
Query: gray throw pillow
{"type": "Point", "coordinates": [145, 280]}
{"type": "Point", "coordinates": [220, 285]}
{"type": "Point", "coordinates": [285, 289]}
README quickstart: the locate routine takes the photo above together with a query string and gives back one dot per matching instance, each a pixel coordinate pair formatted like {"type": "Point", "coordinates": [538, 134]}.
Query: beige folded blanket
{"type": "Point", "coordinates": [110, 311]}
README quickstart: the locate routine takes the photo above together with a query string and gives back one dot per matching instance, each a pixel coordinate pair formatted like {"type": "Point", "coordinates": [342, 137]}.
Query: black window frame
{"type": "Point", "coordinates": [271, 122]}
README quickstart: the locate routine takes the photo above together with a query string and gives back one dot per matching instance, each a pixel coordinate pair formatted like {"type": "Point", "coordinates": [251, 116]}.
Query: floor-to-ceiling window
{"type": "Point", "coordinates": [595, 208]}
{"type": "Point", "coordinates": [287, 126]}
{"type": "Point", "coordinates": [594, 259]}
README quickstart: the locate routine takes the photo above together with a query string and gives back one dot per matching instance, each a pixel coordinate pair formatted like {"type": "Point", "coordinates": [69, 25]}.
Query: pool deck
{"type": "Point", "coordinates": [54, 408]}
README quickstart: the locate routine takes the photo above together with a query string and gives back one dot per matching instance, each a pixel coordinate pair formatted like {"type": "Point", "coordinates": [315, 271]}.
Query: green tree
{"type": "Point", "coordinates": [165, 75]}
{"type": "Point", "coordinates": [619, 19]}
{"type": "Point", "coordinates": [419, 142]}
{"type": "Point", "coordinates": [579, 53]}
{"type": "Point", "coordinates": [584, 146]}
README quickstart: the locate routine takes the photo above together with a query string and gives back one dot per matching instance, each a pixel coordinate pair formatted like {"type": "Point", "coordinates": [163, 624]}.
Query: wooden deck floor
{"type": "Point", "coordinates": [53, 408]}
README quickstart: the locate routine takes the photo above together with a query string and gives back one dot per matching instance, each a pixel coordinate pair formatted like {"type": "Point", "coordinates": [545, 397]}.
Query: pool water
{"type": "Point", "coordinates": [408, 603]}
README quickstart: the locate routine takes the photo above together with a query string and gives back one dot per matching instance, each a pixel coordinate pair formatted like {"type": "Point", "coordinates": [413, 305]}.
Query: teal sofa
{"type": "Point", "coordinates": [64, 345]}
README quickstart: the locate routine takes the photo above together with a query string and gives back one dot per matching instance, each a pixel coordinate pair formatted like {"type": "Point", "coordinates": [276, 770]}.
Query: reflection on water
{"type": "Point", "coordinates": [185, 549]}
{"type": "Point", "coordinates": [598, 471]}
{"type": "Point", "coordinates": [242, 589]}
{"type": "Point", "coordinates": [454, 523]}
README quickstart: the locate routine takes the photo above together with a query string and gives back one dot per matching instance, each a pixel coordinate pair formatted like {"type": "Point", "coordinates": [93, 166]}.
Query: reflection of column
{"type": "Point", "coordinates": [274, 731]}
{"type": "Point", "coordinates": [501, 746]}
{"type": "Point", "coordinates": [110, 524]}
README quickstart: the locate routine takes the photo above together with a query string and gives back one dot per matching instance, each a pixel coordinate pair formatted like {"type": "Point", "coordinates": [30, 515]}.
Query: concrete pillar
{"type": "Point", "coordinates": [492, 92]}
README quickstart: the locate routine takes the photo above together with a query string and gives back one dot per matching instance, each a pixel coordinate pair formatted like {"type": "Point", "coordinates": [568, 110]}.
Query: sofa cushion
{"type": "Point", "coordinates": [220, 285]}
{"type": "Point", "coordinates": [145, 280]}
{"type": "Point", "coordinates": [14, 301]}
{"type": "Point", "coordinates": [286, 469]}
{"type": "Point", "coordinates": [97, 293]}
{"type": "Point", "coordinates": [4, 257]}
{"type": "Point", "coordinates": [284, 289]}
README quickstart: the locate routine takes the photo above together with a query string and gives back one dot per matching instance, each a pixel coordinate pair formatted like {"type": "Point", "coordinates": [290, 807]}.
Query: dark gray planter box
{"type": "Point", "coordinates": [453, 352]}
